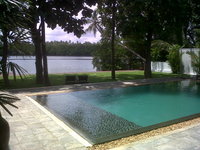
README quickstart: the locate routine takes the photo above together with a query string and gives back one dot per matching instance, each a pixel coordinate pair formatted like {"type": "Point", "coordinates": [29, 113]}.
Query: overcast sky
{"type": "Point", "coordinates": [59, 35]}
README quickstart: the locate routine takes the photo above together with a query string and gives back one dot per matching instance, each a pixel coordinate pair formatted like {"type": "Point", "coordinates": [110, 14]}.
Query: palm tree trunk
{"type": "Point", "coordinates": [113, 40]}
{"type": "Point", "coordinates": [4, 57]}
{"type": "Point", "coordinates": [44, 55]}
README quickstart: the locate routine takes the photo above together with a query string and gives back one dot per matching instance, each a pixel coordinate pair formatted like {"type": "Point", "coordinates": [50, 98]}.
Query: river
{"type": "Point", "coordinates": [56, 64]}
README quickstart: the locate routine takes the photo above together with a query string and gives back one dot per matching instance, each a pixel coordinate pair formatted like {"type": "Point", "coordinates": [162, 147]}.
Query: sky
{"type": "Point", "coordinates": [59, 35]}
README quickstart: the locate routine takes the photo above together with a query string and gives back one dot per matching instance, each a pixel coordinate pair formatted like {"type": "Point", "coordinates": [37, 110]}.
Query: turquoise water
{"type": "Point", "coordinates": [104, 115]}
{"type": "Point", "coordinates": [144, 105]}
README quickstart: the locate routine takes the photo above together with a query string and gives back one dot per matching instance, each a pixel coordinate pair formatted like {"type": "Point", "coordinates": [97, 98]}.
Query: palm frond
{"type": "Point", "coordinates": [94, 23]}
{"type": "Point", "coordinates": [15, 68]}
{"type": "Point", "coordinates": [6, 98]}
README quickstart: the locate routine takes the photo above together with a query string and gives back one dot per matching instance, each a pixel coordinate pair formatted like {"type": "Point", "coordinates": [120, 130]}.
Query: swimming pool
{"type": "Point", "coordinates": [108, 114]}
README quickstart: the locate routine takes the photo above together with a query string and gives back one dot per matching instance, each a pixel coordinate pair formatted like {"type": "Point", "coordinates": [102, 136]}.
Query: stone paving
{"type": "Point", "coordinates": [187, 138]}
{"type": "Point", "coordinates": [32, 129]}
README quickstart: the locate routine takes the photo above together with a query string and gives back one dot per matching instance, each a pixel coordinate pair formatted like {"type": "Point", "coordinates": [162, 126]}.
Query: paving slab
{"type": "Point", "coordinates": [32, 129]}
{"type": "Point", "coordinates": [187, 138]}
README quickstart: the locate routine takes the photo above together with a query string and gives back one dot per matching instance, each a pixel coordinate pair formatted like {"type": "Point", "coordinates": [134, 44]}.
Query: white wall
{"type": "Point", "coordinates": [161, 67]}
{"type": "Point", "coordinates": [186, 61]}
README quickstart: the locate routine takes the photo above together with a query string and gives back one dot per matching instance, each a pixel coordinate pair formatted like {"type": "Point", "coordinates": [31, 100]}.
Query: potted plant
{"type": "Point", "coordinates": [5, 98]}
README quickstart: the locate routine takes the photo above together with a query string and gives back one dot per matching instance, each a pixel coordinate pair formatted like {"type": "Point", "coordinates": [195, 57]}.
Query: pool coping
{"type": "Point", "coordinates": [60, 123]}
{"type": "Point", "coordinates": [92, 86]}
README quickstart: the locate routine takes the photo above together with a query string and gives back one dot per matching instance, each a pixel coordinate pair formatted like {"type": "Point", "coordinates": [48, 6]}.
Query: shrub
{"type": "Point", "coordinates": [174, 58]}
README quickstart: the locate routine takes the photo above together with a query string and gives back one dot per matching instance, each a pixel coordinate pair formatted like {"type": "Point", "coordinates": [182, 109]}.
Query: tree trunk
{"type": "Point", "coordinates": [147, 65]}
{"type": "Point", "coordinates": [179, 35]}
{"type": "Point", "coordinates": [4, 58]}
{"type": "Point", "coordinates": [44, 55]}
{"type": "Point", "coordinates": [113, 40]}
{"type": "Point", "coordinates": [38, 54]}
{"type": "Point", "coordinates": [4, 134]}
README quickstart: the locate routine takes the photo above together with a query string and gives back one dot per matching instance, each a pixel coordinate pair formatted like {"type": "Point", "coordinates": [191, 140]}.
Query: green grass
{"type": "Point", "coordinates": [59, 79]}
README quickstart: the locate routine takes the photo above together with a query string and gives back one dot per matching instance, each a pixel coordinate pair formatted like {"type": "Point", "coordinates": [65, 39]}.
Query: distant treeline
{"type": "Point", "coordinates": [56, 48]}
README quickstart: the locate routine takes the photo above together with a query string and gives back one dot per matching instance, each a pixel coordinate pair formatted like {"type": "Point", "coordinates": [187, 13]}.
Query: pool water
{"type": "Point", "coordinates": [129, 109]}
{"type": "Point", "coordinates": [146, 105]}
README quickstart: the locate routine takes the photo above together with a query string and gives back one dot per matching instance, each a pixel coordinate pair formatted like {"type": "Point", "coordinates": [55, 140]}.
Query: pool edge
{"type": "Point", "coordinates": [61, 124]}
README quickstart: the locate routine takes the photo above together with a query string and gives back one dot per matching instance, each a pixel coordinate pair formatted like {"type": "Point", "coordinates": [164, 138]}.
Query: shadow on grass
{"type": "Point", "coordinates": [129, 76]}
{"type": "Point", "coordinates": [160, 75]}
{"type": "Point", "coordinates": [59, 79]}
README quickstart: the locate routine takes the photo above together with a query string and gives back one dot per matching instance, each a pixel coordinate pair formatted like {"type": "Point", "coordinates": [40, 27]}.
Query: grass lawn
{"type": "Point", "coordinates": [59, 79]}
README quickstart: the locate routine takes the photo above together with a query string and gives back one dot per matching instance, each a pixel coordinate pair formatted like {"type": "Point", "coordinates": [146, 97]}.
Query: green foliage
{"type": "Point", "coordinates": [163, 51]}
{"type": "Point", "coordinates": [21, 48]}
{"type": "Point", "coordinates": [125, 60]}
{"type": "Point", "coordinates": [95, 23]}
{"type": "Point", "coordinates": [159, 55]}
{"type": "Point", "coordinates": [71, 49]}
{"type": "Point", "coordinates": [174, 58]}
{"type": "Point", "coordinates": [56, 48]}
{"type": "Point", "coordinates": [15, 69]}
{"type": "Point", "coordinates": [159, 50]}
{"type": "Point", "coordinates": [11, 14]}
{"type": "Point", "coordinates": [62, 13]}
{"type": "Point", "coordinates": [193, 34]}
{"type": "Point", "coordinates": [195, 61]}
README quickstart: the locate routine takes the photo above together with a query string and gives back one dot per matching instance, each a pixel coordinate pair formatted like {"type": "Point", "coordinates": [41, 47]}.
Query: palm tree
{"type": "Point", "coordinates": [94, 23]}
{"type": "Point", "coordinates": [11, 17]}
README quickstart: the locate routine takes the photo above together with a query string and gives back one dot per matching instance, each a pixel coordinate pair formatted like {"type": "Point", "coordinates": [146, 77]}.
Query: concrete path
{"type": "Point", "coordinates": [32, 129]}
{"type": "Point", "coordinates": [187, 138]}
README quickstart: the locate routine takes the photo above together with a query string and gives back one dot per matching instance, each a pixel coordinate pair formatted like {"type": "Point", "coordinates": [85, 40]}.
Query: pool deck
{"type": "Point", "coordinates": [187, 138]}
{"type": "Point", "coordinates": [32, 128]}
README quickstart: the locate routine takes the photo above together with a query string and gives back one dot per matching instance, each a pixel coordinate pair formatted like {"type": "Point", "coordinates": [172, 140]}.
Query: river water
{"type": "Point", "coordinates": [56, 64]}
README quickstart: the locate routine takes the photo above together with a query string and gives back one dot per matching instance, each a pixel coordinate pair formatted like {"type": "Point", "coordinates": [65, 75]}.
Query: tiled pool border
{"type": "Point", "coordinates": [116, 127]}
